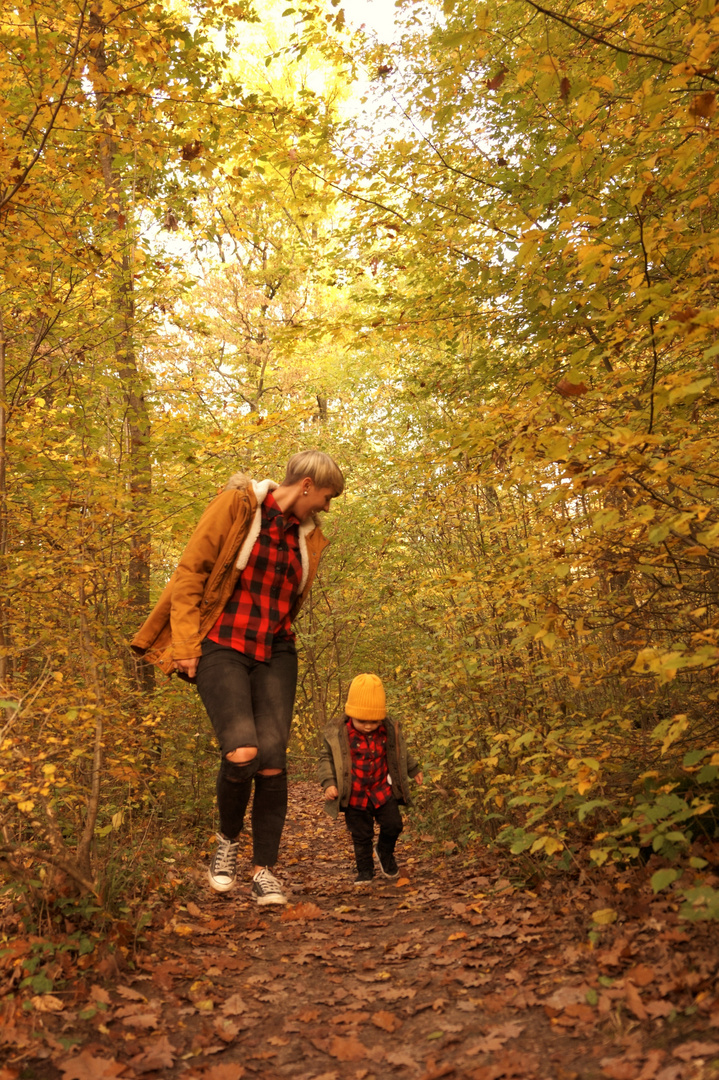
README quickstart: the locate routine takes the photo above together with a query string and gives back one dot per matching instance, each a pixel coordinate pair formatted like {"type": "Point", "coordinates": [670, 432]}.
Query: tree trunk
{"type": "Point", "coordinates": [4, 634]}
{"type": "Point", "coordinates": [137, 418]}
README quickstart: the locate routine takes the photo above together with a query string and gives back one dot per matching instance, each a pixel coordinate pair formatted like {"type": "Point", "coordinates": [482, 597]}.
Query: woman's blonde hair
{"type": "Point", "coordinates": [321, 468]}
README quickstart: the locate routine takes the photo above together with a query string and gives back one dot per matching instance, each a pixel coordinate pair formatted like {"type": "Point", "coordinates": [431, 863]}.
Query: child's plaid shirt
{"type": "Point", "coordinates": [370, 783]}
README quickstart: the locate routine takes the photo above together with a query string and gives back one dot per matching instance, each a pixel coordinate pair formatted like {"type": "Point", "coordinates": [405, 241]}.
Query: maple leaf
{"type": "Point", "coordinates": [301, 911]}
{"type": "Point", "coordinates": [226, 1030]}
{"type": "Point", "coordinates": [226, 1071]}
{"type": "Point", "coordinates": [619, 1068]}
{"type": "Point", "coordinates": [433, 1071]}
{"type": "Point", "coordinates": [581, 1012]}
{"type": "Point", "coordinates": [690, 1050]}
{"type": "Point", "coordinates": [496, 81]}
{"type": "Point", "coordinates": [508, 1063]}
{"type": "Point", "coordinates": [386, 1020]}
{"type": "Point", "coordinates": [128, 992]}
{"type": "Point", "coordinates": [141, 1020]}
{"type": "Point", "coordinates": [130, 1010]}
{"type": "Point", "coordinates": [347, 1049]}
{"type": "Point", "coordinates": [350, 1016]}
{"type": "Point", "coordinates": [485, 1045]}
{"type": "Point", "coordinates": [634, 1001]}
{"type": "Point", "coordinates": [396, 993]}
{"type": "Point", "coordinates": [233, 1006]}
{"type": "Point", "coordinates": [703, 105]}
{"type": "Point", "coordinates": [510, 1030]}
{"type": "Point", "coordinates": [47, 1003]}
{"type": "Point", "coordinates": [400, 1057]}
{"type": "Point", "coordinates": [192, 150]}
{"type": "Point", "coordinates": [659, 1008]}
{"type": "Point", "coordinates": [641, 975]}
{"type": "Point", "coordinates": [88, 1067]}
{"type": "Point", "coordinates": [566, 995]}
{"type": "Point", "coordinates": [686, 314]}
{"type": "Point", "coordinates": [308, 1016]}
{"type": "Point", "coordinates": [157, 1055]}
{"type": "Point", "coordinates": [567, 388]}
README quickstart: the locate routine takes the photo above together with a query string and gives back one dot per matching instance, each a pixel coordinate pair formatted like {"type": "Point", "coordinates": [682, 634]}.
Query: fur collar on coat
{"type": "Point", "coordinates": [238, 481]}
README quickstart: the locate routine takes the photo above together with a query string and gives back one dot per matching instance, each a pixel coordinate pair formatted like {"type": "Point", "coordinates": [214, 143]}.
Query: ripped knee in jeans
{"type": "Point", "coordinates": [240, 771]}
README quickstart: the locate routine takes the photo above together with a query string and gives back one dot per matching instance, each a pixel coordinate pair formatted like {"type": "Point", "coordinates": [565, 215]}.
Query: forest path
{"type": "Point", "coordinates": [449, 972]}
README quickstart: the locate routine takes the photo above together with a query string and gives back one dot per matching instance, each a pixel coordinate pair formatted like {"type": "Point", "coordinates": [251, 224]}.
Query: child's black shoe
{"type": "Point", "coordinates": [364, 876]}
{"type": "Point", "coordinates": [387, 863]}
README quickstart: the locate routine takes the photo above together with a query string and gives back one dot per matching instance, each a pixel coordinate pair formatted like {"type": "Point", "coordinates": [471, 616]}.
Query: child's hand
{"type": "Point", "coordinates": [331, 792]}
{"type": "Point", "coordinates": [418, 778]}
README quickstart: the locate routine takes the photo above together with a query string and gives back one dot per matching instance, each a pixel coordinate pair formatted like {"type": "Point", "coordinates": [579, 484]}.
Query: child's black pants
{"type": "Point", "coordinates": [361, 828]}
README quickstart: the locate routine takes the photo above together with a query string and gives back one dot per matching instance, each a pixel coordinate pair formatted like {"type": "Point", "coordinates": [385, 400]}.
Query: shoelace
{"type": "Point", "coordinates": [268, 881]}
{"type": "Point", "coordinates": [225, 856]}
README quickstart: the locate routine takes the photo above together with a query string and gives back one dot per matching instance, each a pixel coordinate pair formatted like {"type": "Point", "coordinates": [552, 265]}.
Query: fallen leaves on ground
{"type": "Point", "coordinates": [87, 1066]}
{"type": "Point", "coordinates": [347, 1049]}
{"type": "Point", "coordinates": [386, 1020]}
{"type": "Point", "coordinates": [157, 1055]}
{"type": "Point", "coordinates": [458, 973]}
{"type": "Point", "coordinates": [302, 912]}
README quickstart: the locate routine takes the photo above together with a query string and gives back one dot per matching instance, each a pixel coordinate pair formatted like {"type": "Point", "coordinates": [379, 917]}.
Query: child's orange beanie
{"type": "Point", "coordinates": [366, 700]}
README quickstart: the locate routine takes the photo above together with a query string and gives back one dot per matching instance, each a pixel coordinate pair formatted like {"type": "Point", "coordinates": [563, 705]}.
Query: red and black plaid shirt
{"type": "Point", "coordinates": [258, 612]}
{"type": "Point", "coordinates": [370, 784]}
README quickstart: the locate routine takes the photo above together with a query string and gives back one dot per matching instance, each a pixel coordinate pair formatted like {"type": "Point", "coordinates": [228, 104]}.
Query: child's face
{"type": "Point", "coordinates": [366, 727]}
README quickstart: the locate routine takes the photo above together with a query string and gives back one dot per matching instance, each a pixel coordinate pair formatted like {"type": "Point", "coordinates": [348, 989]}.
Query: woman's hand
{"type": "Point", "coordinates": [331, 792]}
{"type": "Point", "coordinates": [418, 778]}
{"type": "Point", "coordinates": [188, 667]}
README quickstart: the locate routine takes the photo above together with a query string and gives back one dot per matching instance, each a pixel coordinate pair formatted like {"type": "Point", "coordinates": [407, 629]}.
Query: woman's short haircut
{"type": "Point", "coordinates": [321, 468]}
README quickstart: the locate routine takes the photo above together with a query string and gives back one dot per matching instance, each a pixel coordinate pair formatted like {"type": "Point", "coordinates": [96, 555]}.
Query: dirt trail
{"type": "Point", "coordinates": [449, 972]}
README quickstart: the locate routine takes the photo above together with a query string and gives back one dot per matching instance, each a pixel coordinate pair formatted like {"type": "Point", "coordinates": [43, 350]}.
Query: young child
{"type": "Point", "coordinates": [365, 770]}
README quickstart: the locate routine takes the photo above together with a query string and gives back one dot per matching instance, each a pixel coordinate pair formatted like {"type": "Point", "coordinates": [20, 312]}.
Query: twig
{"type": "Point", "coordinates": [61, 863]}
{"type": "Point", "coordinates": [93, 803]}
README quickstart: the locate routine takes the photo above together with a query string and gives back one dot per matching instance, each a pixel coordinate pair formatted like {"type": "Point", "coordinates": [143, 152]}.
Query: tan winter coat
{"type": "Point", "coordinates": [205, 579]}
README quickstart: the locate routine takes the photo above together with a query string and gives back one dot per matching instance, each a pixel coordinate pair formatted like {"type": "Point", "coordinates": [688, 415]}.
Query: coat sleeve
{"type": "Point", "coordinates": [196, 564]}
{"type": "Point", "coordinates": [326, 766]}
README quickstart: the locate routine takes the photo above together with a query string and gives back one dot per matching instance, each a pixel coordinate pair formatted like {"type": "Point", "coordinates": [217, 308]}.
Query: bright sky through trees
{"type": "Point", "coordinates": [376, 15]}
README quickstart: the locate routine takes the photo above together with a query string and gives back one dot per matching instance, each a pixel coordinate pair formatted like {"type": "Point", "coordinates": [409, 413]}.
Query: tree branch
{"type": "Point", "coordinates": [53, 117]}
{"type": "Point", "coordinates": [600, 39]}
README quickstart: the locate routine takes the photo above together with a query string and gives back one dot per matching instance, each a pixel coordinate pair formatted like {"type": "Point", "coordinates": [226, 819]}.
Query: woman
{"type": "Point", "coordinates": [224, 622]}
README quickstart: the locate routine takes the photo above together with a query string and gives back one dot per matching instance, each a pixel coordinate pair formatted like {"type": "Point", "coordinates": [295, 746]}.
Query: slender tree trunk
{"type": "Point", "coordinates": [137, 417]}
{"type": "Point", "coordinates": [84, 846]}
{"type": "Point", "coordinates": [4, 634]}
{"type": "Point", "coordinates": [140, 463]}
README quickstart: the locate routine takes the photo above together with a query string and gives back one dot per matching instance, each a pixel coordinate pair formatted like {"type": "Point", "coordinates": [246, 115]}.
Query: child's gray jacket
{"type": "Point", "coordinates": [335, 764]}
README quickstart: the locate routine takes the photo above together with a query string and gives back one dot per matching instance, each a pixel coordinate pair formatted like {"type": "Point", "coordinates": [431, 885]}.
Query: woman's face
{"type": "Point", "coordinates": [316, 501]}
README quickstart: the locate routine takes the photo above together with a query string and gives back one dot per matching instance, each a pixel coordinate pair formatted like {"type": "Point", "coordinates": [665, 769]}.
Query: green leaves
{"type": "Point", "coordinates": [662, 878]}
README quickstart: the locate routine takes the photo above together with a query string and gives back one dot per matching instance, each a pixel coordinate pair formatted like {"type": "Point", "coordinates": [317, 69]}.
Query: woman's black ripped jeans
{"type": "Point", "coordinates": [250, 703]}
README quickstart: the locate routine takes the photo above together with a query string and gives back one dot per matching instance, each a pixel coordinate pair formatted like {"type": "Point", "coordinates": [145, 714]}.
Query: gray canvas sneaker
{"type": "Point", "coordinates": [223, 867]}
{"type": "Point", "coordinates": [266, 889]}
